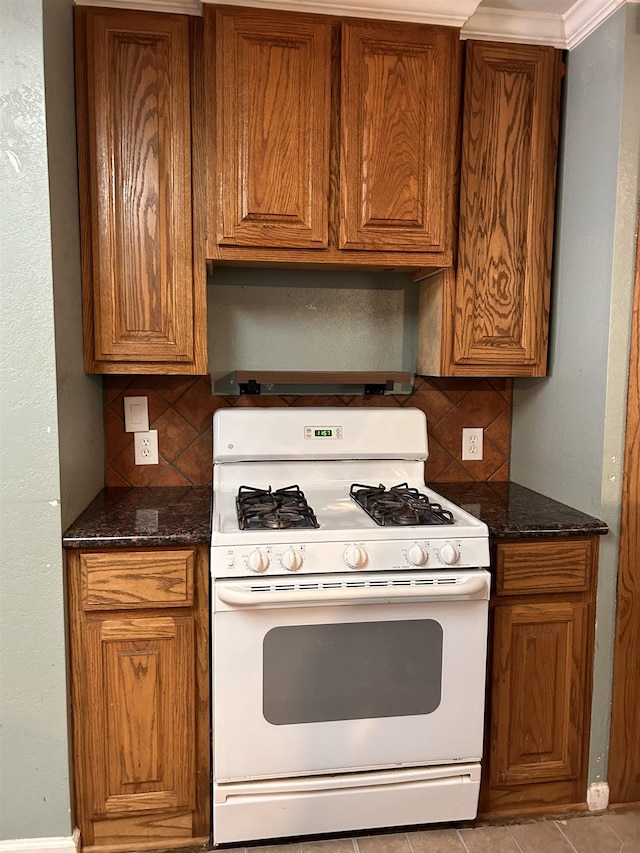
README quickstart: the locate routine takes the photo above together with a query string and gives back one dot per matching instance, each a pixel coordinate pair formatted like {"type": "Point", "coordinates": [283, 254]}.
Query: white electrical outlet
{"type": "Point", "coordinates": [472, 443]}
{"type": "Point", "coordinates": [145, 447]}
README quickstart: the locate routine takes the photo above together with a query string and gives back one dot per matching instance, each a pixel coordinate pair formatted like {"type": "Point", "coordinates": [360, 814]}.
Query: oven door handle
{"type": "Point", "coordinates": [472, 587]}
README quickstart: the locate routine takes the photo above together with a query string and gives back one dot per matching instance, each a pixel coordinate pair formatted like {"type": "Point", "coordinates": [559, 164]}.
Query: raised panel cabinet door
{"type": "Point", "coordinates": [139, 152]}
{"type": "Point", "coordinates": [399, 120]}
{"type": "Point", "coordinates": [140, 715]}
{"type": "Point", "coordinates": [538, 692]}
{"type": "Point", "coordinates": [509, 150]}
{"type": "Point", "coordinates": [273, 79]}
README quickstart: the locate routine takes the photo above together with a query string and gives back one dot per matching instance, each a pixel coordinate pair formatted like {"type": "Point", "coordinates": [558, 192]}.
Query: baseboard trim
{"type": "Point", "coordinates": [69, 844]}
{"type": "Point", "coordinates": [597, 796]}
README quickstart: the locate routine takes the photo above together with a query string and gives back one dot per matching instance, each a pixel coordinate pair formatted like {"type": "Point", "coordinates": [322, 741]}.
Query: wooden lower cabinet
{"type": "Point", "coordinates": [539, 694]}
{"type": "Point", "coordinates": [140, 697]}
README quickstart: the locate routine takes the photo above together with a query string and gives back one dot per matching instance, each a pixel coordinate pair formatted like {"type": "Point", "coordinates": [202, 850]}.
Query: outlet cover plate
{"type": "Point", "coordinates": [145, 447]}
{"type": "Point", "coordinates": [472, 442]}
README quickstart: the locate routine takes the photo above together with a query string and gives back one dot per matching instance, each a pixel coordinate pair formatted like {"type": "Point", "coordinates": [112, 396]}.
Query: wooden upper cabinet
{"type": "Point", "coordinates": [143, 303]}
{"type": "Point", "coordinates": [490, 317]}
{"type": "Point", "coordinates": [510, 137]}
{"type": "Point", "coordinates": [272, 128]}
{"type": "Point", "coordinates": [398, 139]}
{"type": "Point", "coordinates": [331, 141]}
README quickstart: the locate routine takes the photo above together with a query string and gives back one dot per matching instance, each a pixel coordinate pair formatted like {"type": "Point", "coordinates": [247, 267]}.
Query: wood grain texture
{"type": "Point", "coordinates": [113, 580]}
{"type": "Point", "coordinates": [535, 685]}
{"type": "Point", "coordinates": [283, 97]}
{"type": "Point", "coordinates": [134, 135]}
{"type": "Point", "coordinates": [140, 708]}
{"type": "Point", "coordinates": [509, 151]}
{"type": "Point", "coordinates": [399, 108]}
{"type": "Point", "coordinates": [624, 750]}
{"type": "Point", "coordinates": [540, 678]}
{"type": "Point", "coordinates": [535, 567]}
{"type": "Point", "coordinates": [331, 258]}
{"type": "Point", "coordinates": [272, 89]}
{"type": "Point", "coordinates": [198, 195]}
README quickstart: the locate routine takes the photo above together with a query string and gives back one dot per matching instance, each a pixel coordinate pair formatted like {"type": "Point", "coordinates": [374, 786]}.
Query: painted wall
{"type": "Point", "coordinates": [80, 397]}
{"type": "Point", "coordinates": [40, 487]}
{"type": "Point", "coordinates": [567, 437]}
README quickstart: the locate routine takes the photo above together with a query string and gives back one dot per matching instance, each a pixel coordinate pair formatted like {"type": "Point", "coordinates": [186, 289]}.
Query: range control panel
{"type": "Point", "coordinates": [327, 557]}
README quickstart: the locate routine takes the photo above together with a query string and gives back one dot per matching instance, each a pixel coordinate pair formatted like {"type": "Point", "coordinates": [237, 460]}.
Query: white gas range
{"type": "Point", "coordinates": [349, 627]}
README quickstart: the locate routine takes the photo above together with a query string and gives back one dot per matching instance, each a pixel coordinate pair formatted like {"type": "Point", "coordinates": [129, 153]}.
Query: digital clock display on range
{"type": "Point", "coordinates": [323, 433]}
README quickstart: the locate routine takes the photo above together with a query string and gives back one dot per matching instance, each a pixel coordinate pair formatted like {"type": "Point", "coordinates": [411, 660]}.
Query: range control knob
{"type": "Point", "coordinates": [417, 555]}
{"type": "Point", "coordinates": [355, 556]}
{"type": "Point", "coordinates": [258, 561]}
{"type": "Point", "coordinates": [449, 554]}
{"type": "Point", "coordinates": [291, 560]}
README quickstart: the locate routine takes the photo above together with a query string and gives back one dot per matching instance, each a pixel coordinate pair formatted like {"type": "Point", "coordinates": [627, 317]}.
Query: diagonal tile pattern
{"type": "Point", "coordinates": [181, 409]}
{"type": "Point", "coordinates": [619, 833]}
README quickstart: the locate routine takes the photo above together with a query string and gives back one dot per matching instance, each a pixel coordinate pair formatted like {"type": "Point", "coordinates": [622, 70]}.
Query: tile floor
{"type": "Point", "coordinates": [603, 833]}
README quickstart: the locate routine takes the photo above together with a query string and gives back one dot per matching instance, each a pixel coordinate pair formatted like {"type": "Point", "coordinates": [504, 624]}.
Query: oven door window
{"type": "Point", "coordinates": [351, 671]}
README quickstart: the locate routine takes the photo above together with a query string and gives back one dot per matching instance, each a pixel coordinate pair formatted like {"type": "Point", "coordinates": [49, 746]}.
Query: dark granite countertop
{"type": "Point", "coordinates": [512, 510]}
{"type": "Point", "coordinates": [146, 517]}
{"type": "Point", "coordinates": [130, 517]}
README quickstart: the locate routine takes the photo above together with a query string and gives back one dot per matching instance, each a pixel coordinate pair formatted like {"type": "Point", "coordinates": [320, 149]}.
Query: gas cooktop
{"type": "Point", "coordinates": [300, 490]}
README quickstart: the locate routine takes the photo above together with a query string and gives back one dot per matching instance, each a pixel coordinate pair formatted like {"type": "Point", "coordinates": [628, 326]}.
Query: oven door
{"type": "Point", "coordinates": [338, 673]}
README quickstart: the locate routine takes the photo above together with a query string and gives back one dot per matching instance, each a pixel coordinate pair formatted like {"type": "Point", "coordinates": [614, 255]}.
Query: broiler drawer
{"type": "Point", "coordinates": [136, 579]}
{"type": "Point", "coordinates": [542, 566]}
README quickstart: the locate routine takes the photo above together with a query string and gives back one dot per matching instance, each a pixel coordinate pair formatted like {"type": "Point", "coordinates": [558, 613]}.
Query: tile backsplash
{"type": "Point", "coordinates": [181, 409]}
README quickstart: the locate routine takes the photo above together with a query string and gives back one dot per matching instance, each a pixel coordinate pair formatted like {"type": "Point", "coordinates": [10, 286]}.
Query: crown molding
{"type": "Point", "coordinates": [489, 24]}
{"type": "Point", "coordinates": [585, 16]}
{"type": "Point", "coordinates": [564, 31]}
{"type": "Point", "coordinates": [442, 12]}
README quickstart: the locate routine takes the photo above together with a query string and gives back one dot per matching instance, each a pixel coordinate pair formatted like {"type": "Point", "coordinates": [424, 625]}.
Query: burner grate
{"type": "Point", "coordinates": [399, 505]}
{"type": "Point", "coordinates": [267, 509]}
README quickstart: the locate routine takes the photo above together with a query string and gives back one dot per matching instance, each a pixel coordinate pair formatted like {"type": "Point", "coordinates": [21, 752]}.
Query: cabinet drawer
{"type": "Point", "coordinates": [131, 579]}
{"type": "Point", "coordinates": [543, 566]}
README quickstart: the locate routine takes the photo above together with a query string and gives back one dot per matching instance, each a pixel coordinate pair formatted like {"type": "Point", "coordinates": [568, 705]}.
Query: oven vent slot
{"type": "Point", "coordinates": [352, 584]}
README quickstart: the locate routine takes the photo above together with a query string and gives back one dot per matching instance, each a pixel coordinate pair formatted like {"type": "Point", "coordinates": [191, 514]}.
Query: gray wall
{"type": "Point", "coordinates": [567, 438]}
{"type": "Point", "coordinates": [271, 319]}
{"type": "Point", "coordinates": [80, 397]}
{"type": "Point", "coordinates": [40, 489]}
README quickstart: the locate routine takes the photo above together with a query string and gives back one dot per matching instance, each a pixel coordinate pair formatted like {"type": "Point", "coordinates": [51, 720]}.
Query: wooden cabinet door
{"type": "Point", "coordinates": [398, 136]}
{"type": "Point", "coordinates": [134, 125]}
{"type": "Point", "coordinates": [140, 714]}
{"type": "Point", "coordinates": [509, 149]}
{"type": "Point", "coordinates": [538, 686]}
{"type": "Point", "coordinates": [273, 80]}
